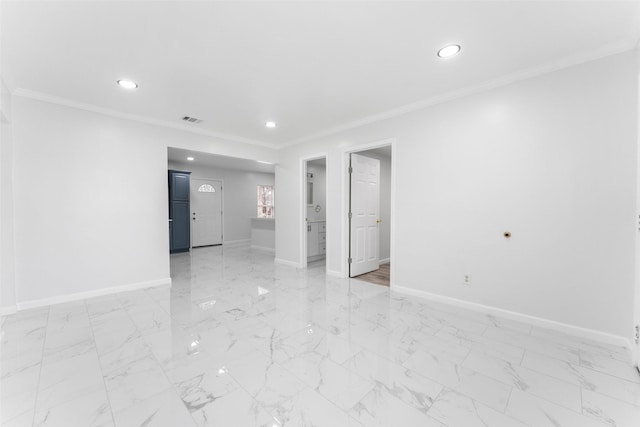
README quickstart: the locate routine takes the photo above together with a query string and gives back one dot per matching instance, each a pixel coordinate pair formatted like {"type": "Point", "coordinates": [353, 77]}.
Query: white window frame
{"type": "Point", "coordinates": [262, 206]}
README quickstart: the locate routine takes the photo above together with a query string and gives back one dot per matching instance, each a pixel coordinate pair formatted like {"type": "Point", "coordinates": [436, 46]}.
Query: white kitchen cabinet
{"type": "Point", "coordinates": [316, 240]}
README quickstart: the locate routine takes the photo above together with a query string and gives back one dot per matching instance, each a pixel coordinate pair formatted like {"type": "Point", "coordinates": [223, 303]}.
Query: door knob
{"type": "Point", "coordinates": [378, 221]}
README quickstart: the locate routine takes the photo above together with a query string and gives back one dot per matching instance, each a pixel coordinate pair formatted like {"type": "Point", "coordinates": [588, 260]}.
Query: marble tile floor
{"type": "Point", "coordinates": [239, 341]}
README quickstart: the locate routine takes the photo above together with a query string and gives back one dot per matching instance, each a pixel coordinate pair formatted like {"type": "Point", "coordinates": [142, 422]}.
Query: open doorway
{"type": "Point", "coordinates": [369, 213]}
{"type": "Point", "coordinates": [222, 202]}
{"type": "Point", "coordinates": [315, 212]}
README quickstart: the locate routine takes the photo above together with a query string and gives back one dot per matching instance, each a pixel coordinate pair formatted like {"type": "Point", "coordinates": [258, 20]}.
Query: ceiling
{"type": "Point", "coordinates": [177, 155]}
{"type": "Point", "coordinates": [312, 67]}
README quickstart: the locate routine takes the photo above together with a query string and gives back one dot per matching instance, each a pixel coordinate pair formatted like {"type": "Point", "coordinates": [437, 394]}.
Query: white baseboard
{"type": "Point", "coordinates": [264, 248]}
{"type": "Point", "coordinates": [91, 294]}
{"type": "Point", "coordinates": [566, 328]}
{"type": "Point", "coordinates": [287, 263]}
{"type": "Point", "coordinates": [236, 242]}
{"type": "Point", "coordinates": [315, 258]}
{"type": "Point", "coordinates": [334, 273]}
{"type": "Point", "coordinates": [384, 261]}
{"type": "Point", "coordinates": [7, 310]}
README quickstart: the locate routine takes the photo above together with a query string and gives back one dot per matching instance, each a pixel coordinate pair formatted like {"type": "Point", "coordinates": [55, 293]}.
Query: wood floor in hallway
{"type": "Point", "coordinates": [380, 276]}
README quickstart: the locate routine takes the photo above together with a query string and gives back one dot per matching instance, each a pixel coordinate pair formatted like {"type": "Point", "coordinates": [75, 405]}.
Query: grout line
{"type": "Point", "coordinates": [508, 400]}
{"type": "Point", "coordinates": [152, 354]}
{"type": "Point", "coordinates": [466, 357]}
{"type": "Point", "coordinates": [44, 343]}
{"type": "Point", "coordinates": [95, 346]}
{"type": "Point", "coordinates": [259, 350]}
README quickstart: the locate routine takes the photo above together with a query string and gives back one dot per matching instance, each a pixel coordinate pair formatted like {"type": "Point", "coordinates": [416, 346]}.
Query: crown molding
{"type": "Point", "coordinates": [529, 73]}
{"type": "Point", "coordinates": [52, 99]}
{"type": "Point", "coordinates": [608, 50]}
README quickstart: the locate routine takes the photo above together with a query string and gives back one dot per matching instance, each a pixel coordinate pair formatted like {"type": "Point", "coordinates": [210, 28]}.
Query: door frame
{"type": "Point", "coordinates": [344, 210]}
{"type": "Point", "coordinates": [303, 204]}
{"type": "Point", "coordinates": [634, 341]}
{"type": "Point", "coordinates": [635, 345]}
{"type": "Point", "coordinates": [221, 181]}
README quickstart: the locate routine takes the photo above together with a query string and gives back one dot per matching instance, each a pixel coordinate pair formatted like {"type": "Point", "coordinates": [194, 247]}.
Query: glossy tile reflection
{"type": "Point", "coordinates": [239, 341]}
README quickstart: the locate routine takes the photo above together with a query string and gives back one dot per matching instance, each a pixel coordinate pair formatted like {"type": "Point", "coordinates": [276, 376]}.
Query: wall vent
{"type": "Point", "coordinates": [191, 119]}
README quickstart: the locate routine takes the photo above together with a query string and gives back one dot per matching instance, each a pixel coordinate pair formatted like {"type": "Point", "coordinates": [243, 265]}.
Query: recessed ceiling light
{"type": "Point", "coordinates": [270, 125]}
{"type": "Point", "coordinates": [449, 50]}
{"type": "Point", "coordinates": [127, 84]}
{"type": "Point", "coordinates": [191, 159]}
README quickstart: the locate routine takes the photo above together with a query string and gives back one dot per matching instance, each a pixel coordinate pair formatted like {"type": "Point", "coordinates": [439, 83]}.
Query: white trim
{"type": "Point", "coordinates": [7, 310]}
{"type": "Point", "coordinates": [315, 258]}
{"type": "Point", "coordinates": [611, 49]}
{"type": "Point", "coordinates": [635, 347]}
{"type": "Point", "coordinates": [334, 273]}
{"type": "Point", "coordinates": [287, 263]}
{"type": "Point", "coordinates": [264, 248]}
{"type": "Point", "coordinates": [91, 294]}
{"type": "Point", "coordinates": [566, 328]}
{"type": "Point", "coordinates": [384, 261]}
{"type": "Point", "coordinates": [573, 60]}
{"type": "Point", "coordinates": [608, 50]}
{"type": "Point", "coordinates": [236, 242]}
{"type": "Point", "coordinates": [51, 99]}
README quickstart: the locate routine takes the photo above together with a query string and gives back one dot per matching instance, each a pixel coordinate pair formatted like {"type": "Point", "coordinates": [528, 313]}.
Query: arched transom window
{"type": "Point", "coordinates": [206, 188]}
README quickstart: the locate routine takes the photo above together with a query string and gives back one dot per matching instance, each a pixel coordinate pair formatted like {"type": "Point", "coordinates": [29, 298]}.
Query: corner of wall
{"type": "Point", "coordinates": [636, 314]}
{"type": "Point", "coordinates": [7, 278]}
{"type": "Point", "coordinates": [5, 100]}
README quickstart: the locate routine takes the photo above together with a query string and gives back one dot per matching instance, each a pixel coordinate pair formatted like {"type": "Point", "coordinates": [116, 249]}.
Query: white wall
{"type": "Point", "coordinates": [636, 346]}
{"type": "Point", "coordinates": [263, 234]}
{"type": "Point", "coordinates": [319, 192]}
{"type": "Point", "coordinates": [90, 197]}
{"type": "Point", "coordinates": [239, 196]}
{"type": "Point", "coordinates": [384, 228]}
{"type": "Point", "coordinates": [551, 159]}
{"type": "Point", "coordinates": [7, 289]}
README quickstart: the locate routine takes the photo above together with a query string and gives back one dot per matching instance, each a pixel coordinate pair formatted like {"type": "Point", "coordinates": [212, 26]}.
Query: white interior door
{"type": "Point", "coordinates": [206, 212]}
{"type": "Point", "coordinates": [365, 214]}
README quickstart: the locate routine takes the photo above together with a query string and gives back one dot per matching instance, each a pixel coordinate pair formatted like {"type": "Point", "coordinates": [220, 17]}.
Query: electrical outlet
{"type": "Point", "coordinates": [467, 280]}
